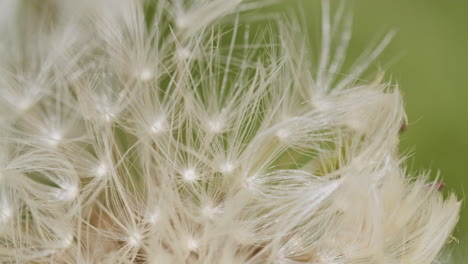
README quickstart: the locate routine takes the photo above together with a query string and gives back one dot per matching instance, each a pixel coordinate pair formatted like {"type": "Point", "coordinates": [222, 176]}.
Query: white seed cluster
{"type": "Point", "coordinates": [171, 131]}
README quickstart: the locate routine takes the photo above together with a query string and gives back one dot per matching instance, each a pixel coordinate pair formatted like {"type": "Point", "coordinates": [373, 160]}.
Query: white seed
{"type": "Point", "coordinates": [192, 244]}
{"type": "Point", "coordinates": [159, 126]}
{"type": "Point", "coordinates": [101, 170]}
{"type": "Point", "coordinates": [190, 175]}
{"type": "Point", "coordinates": [226, 168]}
{"type": "Point", "coordinates": [134, 240]}
{"type": "Point", "coordinates": [53, 138]}
{"type": "Point", "coordinates": [146, 74]}
{"type": "Point", "coordinates": [68, 192]}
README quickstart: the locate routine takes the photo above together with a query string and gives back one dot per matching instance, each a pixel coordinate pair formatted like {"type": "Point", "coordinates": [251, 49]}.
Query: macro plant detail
{"type": "Point", "coordinates": [180, 131]}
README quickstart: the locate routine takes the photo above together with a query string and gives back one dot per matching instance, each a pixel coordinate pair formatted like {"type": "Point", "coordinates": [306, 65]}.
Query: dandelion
{"type": "Point", "coordinates": [173, 132]}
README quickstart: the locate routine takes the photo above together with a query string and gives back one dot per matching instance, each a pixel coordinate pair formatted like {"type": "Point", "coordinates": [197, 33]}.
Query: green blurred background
{"type": "Point", "coordinates": [428, 58]}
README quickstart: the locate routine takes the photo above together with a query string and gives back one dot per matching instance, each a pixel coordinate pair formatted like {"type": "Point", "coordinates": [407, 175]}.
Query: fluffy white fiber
{"type": "Point", "coordinates": [171, 131]}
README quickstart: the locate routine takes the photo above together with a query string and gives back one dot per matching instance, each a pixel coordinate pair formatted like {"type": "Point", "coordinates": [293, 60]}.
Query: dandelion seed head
{"type": "Point", "coordinates": [215, 126]}
{"type": "Point", "coordinates": [106, 112]}
{"type": "Point", "coordinates": [101, 170]}
{"type": "Point", "coordinates": [251, 183]}
{"type": "Point", "coordinates": [192, 244]}
{"type": "Point", "coordinates": [182, 21]}
{"type": "Point", "coordinates": [134, 239]}
{"type": "Point", "coordinates": [153, 216]}
{"type": "Point", "coordinates": [190, 175]}
{"type": "Point", "coordinates": [108, 117]}
{"type": "Point", "coordinates": [24, 104]}
{"type": "Point", "coordinates": [145, 74]}
{"type": "Point", "coordinates": [159, 125]}
{"type": "Point", "coordinates": [211, 127]}
{"type": "Point", "coordinates": [227, 167]}
{"type": "Point", "coordinates": [283, 134]}
{"type": "Point", "coordinates": [53, 138]}
{"type": "Point", "coordinates": [65, 239]}
{"type": "Point", "coordinates": [68, 192]}
{"type": "Point", "coordinates": [322, 103]}
{"type": "Point", "coordinates": [184, 53]}
{"type": "Point", "coordinates": [211, 211]}
{"type": "Point", "coordinates": [6, 212]}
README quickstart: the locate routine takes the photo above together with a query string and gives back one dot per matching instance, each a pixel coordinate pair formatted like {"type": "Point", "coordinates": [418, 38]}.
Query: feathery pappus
{"type": "Point", "coordinates": [183, 131]}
